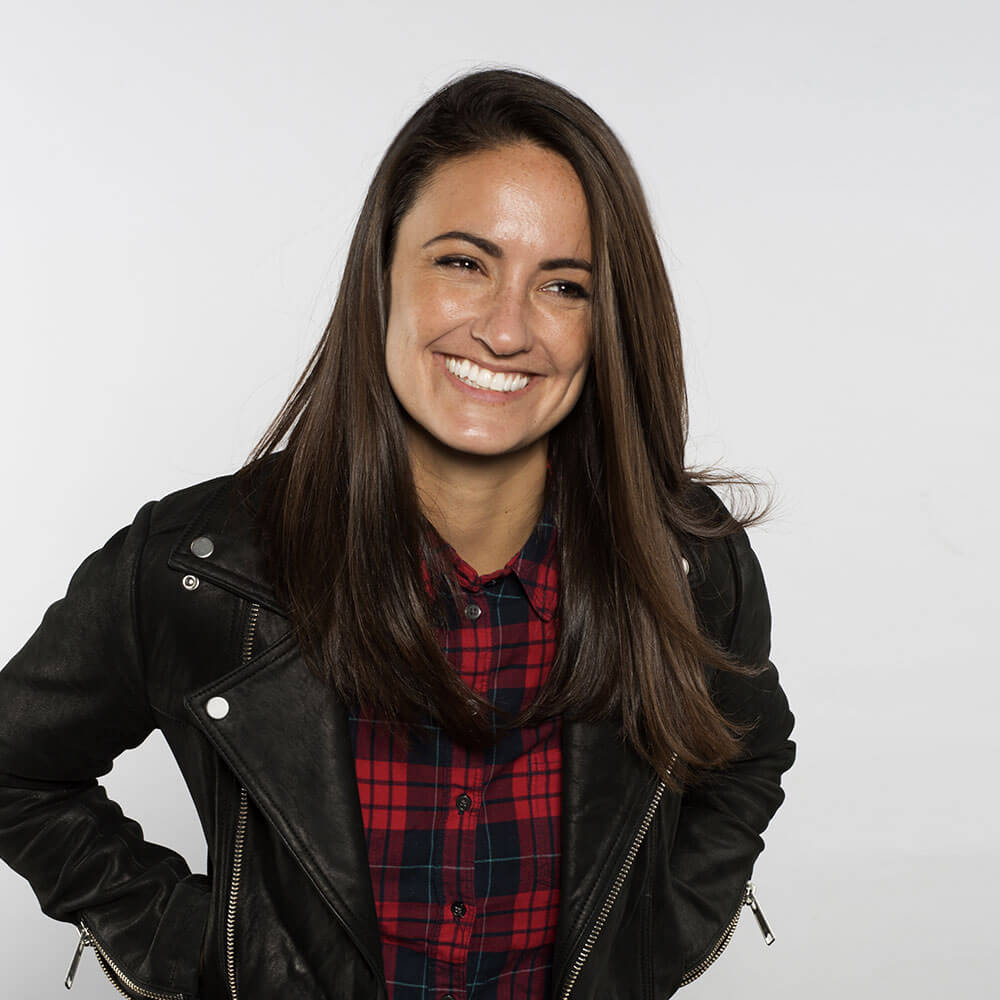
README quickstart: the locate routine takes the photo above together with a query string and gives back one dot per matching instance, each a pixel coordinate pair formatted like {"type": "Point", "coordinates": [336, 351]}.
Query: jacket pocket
{"type": "Point", "coordinates": [747, 899]}
{"type": "Point", "coordinates": [169, 969]}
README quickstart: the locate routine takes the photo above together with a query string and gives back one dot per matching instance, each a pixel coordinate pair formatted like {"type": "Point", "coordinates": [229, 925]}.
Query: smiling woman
{"type": "Point", "coordinates": [470, 679]}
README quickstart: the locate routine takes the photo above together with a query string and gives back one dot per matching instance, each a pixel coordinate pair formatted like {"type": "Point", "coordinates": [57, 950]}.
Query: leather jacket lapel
{"type": "Point", "coordinates": [285, 735]}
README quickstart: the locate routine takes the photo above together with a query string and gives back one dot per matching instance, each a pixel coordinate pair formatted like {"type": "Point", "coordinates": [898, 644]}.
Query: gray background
{"type": "Point", "coordinates": [179, 185]}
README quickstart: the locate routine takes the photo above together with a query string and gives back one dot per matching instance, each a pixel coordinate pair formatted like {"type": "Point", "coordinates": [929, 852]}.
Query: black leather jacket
{"type": "Point", "coordinates": [173, 624]}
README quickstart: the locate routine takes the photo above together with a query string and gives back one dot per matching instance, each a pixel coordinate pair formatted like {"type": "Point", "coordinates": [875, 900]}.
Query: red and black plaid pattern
{"type": "Point", "coordinates": [463, 847]}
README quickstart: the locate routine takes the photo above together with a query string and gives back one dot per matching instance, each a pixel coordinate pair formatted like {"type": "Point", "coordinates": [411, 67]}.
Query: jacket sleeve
{"type": "Point", "coordinates": [71, 700]}
{"type": "Point", "coordinates": [719, 829]}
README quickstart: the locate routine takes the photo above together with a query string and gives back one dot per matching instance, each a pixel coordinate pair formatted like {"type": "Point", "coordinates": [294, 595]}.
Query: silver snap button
{"type": "Point", "coordinates": [190, 582]}
{"type": "Point", "coordinates": [473, 611]}
{"type": "Point", "coordinates": [203, 546]}
{"type": "Point", "coordinates": [686, 565]}
{"type": "Point", "coordinates": [217, 708]}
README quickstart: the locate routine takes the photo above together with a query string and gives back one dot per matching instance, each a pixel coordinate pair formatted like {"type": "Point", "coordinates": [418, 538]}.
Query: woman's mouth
{"type": "Point", "coordinates": [484, 383]}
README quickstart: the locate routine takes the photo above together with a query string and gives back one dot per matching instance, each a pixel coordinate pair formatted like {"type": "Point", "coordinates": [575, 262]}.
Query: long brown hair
{"type": "Point", "coordinates": [340, 511]}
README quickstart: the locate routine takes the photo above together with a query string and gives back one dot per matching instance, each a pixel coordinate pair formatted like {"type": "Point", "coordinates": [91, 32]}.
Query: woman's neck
{"type": "Point", "coordinates": [484, 506]}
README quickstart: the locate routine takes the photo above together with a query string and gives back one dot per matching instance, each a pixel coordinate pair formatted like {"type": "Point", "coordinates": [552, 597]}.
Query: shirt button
{"type": "Point", "coordinates": [458, 909]}
{"type": "Point", "coordinates": [473, 611]}
{"type": "Point", "coordinates": [463, 802]}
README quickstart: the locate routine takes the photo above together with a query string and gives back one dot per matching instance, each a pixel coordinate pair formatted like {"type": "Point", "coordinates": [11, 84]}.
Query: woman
{"type": "Point", "coordinates": [426, 766]}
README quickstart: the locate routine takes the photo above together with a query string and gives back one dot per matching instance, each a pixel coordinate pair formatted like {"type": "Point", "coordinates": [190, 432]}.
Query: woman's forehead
{"type": "Point", "coordinates": [524, 195]}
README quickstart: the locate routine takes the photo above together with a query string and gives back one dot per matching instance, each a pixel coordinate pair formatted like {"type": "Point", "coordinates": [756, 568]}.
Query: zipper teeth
{"type": "Point", "coordinates": [241, 829]}
{"type": "Point", "coordinates": [609, 902]}
{"type": "Point", "coordinates": [109, 967]}
{"type": "Point", "coordinates": [251, 629]}
{"type": "Point", "coordinates": [234, 889]}
{"type": "Point", "coordinates": [720, 946]}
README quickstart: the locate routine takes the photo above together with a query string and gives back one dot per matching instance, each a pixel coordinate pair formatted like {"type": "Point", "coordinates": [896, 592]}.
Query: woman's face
{"type": "Point", "coordinates": [491, 268]}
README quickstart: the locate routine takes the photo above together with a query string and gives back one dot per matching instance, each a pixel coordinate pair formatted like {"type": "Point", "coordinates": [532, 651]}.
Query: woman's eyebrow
{"type": "Point", "coordinates": [491, 248]}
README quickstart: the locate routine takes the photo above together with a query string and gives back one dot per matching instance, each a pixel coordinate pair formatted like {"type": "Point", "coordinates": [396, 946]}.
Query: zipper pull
{"type": "Point", "coordinates": [750, 900]}
{"type": "Point", "coordinates": [85, 939]}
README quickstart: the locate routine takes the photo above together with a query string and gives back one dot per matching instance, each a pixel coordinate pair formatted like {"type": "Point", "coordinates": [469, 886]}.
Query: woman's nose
{"type": "Point", "coordinates": [504, 325]}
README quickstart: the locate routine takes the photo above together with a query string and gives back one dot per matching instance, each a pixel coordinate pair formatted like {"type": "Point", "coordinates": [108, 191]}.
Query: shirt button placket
{"type": "Point", "coordinates": [458, 909]}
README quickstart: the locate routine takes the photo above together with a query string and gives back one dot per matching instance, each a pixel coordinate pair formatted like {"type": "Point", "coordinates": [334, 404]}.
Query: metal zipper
{"type": "Point", "coordinates": [241, 829]}
{"type": "Point", "coordinates": [616, 886]}
{"type": "Point", "coordinates": [111, 970]}
{"type": "Point", "coordinates": [748, 899]}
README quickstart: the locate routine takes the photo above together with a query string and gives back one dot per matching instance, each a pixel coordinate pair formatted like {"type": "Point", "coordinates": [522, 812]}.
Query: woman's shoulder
{"type": "Point", "coordinates": [230, 497]}
{"type": "Point", "coordinates": [725, 577]}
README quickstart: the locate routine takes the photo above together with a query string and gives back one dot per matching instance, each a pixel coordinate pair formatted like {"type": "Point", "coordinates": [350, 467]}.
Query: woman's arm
{"type": "Point", "coordinates": [71, 700]}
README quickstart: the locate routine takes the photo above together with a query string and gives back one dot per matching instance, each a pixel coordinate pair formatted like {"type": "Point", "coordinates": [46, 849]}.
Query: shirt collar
{"type": "Point", "coordinates": [535, 566]}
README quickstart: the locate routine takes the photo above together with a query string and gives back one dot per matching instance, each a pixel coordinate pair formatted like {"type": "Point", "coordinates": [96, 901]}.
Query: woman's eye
{"type": "Point", "coordinates": [572, 289]}
{"type": "Point", "coordinates": [461, 261]}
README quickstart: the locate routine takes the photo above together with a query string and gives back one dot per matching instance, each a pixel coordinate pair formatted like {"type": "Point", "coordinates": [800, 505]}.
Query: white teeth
{"type": "Point", "coordinates": [481, 378]}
